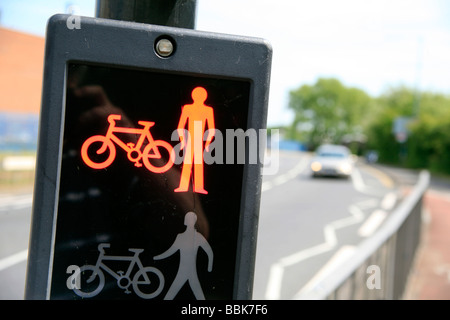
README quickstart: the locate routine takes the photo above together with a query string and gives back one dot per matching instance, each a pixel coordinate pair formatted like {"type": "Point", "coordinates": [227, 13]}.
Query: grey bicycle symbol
{"type": "Point", "coordinates": [147, 282]}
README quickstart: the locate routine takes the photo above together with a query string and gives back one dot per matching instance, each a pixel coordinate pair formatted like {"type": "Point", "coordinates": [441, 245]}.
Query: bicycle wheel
{"type": "Point", "coordinates": [92, 282]}
{"type": "Point", "coordinates": [96, 158]}
{"type": "Point", "coordinates": [148, 282]}
{"type": "Point", "coordinates": [156, 161]}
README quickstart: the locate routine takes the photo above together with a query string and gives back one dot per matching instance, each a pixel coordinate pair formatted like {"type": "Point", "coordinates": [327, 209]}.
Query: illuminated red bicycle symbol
{"type": "Point", "coordinates": [150, 156]}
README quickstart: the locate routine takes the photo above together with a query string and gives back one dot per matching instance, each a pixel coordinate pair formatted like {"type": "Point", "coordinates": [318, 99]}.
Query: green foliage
{"type": "Point", "coordinates": [429, 142]}
{"type": "Point", "coordinates": [395, 103]}
{"type": "Point", "coordinates": [328, 111]}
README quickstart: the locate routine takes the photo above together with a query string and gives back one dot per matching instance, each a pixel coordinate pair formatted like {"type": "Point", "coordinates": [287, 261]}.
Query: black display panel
{"type": "Point", "coordinates": [126, 227]}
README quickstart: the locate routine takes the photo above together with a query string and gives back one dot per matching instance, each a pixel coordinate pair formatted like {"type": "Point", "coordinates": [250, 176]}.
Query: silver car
{"type": "Point", "coordinates": [332, 160]}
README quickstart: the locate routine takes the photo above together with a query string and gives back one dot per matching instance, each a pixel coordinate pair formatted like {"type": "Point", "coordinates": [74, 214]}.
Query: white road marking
{"type": "Point", "coordinates": [372, 223]}
{"type": "Point", "coordinates": [389, 201]}
{"type": "Point", "coordinates": [13, 259]}
{"type": "Point", "coordinates": [9, 202]}
{"type": "Point", "coordinates": [342, 255]}
{"type": "Point", "coordinates": [267, 185]}
{"type": "Point", "coordinates": [358, 181]}
{"type": "Point", "coordinates": [378, 216]}
{"type": "Point", "coordinates": [361, 186]}
{"type": "Point", "coordinates": [274, 284]}
{"type": "Point", "coordinates": [273, 289]}
{"type": "Point", "coordinates": [13, 202]}
{"type": "Point", "coordinates": [291, 174]}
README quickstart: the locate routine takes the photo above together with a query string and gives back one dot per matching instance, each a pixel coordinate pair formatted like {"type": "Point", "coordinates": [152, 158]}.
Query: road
{"type": "Point", "coordinates": [309, 224]}
{"type": "Point", "coordinates": [305, 226]}
{"type": "Point", "coordinates": [15, 219]}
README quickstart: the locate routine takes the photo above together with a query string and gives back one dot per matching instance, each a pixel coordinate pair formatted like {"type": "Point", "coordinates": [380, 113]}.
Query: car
{"type": "Point", "coordinates": [332, 160]}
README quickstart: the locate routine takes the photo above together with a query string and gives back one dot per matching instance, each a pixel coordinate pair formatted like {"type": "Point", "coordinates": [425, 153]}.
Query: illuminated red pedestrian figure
{"type": "Point", "coordinates": [197, 117]}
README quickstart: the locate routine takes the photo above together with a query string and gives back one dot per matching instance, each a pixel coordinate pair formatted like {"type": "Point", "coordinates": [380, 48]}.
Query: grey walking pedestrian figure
{"type": "Point", "coordinates": [188, 244]}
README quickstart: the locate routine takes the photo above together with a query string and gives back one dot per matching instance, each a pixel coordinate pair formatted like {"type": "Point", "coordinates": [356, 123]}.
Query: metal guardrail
{"type": "Point", "coordinates": [391, 250]}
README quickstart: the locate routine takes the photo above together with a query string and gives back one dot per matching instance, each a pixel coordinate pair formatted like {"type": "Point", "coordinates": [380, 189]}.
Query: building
{"type": "Point", "coordinates": [21, 71]}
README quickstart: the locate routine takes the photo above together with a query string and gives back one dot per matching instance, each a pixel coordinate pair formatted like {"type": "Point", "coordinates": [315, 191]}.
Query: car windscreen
{"type": "Point", "coordinates": [331, 154]}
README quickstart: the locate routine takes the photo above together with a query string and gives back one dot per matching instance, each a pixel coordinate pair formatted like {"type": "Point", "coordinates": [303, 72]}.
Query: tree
{"type": "Point", "coordinates": [395, 103]}
{"type": "Point", "coordinates": [328, 111]}
{"type": "Point", "coordinates": [428, 143]}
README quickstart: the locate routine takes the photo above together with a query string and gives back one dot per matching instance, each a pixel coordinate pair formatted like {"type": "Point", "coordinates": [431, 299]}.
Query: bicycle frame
{"type": "Point", "coordinates": [136, 151]}
{"type": "Point", "coordinates": [134, 260]}
{"type": "Point", "coordinates": [130, 147]}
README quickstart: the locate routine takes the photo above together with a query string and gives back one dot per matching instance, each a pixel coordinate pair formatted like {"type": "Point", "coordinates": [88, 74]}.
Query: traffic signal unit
{"type": "Point", "coordinates": [124, 204]}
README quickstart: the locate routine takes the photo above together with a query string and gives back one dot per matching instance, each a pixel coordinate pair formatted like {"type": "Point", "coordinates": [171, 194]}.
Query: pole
{"type": "Point", "coordinates": [173, 13]}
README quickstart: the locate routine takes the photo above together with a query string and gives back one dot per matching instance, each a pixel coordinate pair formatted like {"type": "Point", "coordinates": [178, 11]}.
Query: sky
{"type": "Point", "coordinates": [373, 45]}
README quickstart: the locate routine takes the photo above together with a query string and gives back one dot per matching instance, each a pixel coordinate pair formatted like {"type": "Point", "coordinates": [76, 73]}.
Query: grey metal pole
{"type": "Point", "coordinates": [173, 13]}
